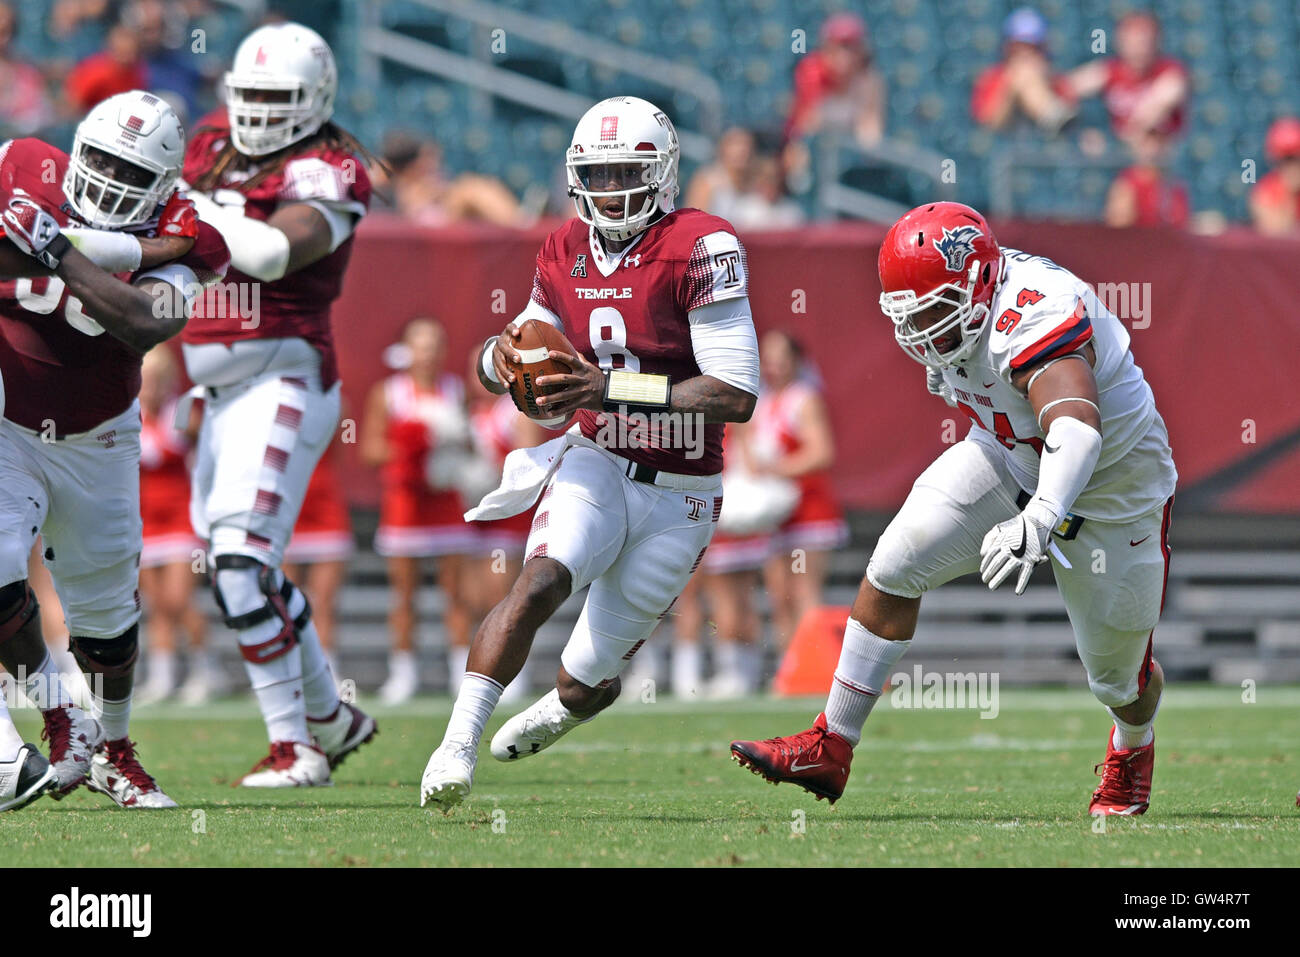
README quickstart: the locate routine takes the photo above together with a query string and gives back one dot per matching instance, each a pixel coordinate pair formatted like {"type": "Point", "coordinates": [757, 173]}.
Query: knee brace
{"type": "Point", "coordinates": [17, 607]}
{"type": "Point", "coordinates": [110, 657]}
{"type": "Point", "coordinates": [247, 595]}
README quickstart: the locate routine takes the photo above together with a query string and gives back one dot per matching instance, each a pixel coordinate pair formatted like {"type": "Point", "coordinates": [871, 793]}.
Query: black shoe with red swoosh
{"type": "Point", "coordinates": [817, 760]}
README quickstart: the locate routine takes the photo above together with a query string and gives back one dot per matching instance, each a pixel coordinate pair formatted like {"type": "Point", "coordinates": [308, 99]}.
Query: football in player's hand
{"type": "Point", "coordinates": [536, 339]}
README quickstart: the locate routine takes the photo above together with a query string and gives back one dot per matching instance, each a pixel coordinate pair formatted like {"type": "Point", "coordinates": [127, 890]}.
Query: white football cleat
{"type": "Point", "coordinates": [339, 736]}
{"type": "Point", "coordinates": [25, 778]}
{"type": "Point", "coordinates": [535, 728]}
{"type": "Point", "coordinates": [73, 737]}
{"type": "Point", "coordinates": [449, 775]}
{"type": "Point", "coordinates": [116, 771]}
{"type": "Point", "coordinates": [291, 764]}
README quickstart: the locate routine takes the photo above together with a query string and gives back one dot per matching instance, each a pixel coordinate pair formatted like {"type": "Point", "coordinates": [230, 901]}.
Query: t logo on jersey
{"type": "Point", "coordinates": [580, 267]}
{"type": "Point", "coordinates": [695, 508]}
{"type": "Point", "coordinates": [957, 246]}
{"type": "Point", "coordinates": [730, 261]}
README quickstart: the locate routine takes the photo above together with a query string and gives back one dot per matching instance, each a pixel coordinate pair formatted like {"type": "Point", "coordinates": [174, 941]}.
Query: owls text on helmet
{"type": "Point", "coordinates": [126, 157]}
{"type": "Point", "coordinates": [280, 88]}
{"type": "Point", "coordinates": [624, 153]}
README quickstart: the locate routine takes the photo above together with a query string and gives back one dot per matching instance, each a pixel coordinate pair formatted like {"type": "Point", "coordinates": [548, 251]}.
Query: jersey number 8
{"type": "Point", "coordinates": [608, 334]}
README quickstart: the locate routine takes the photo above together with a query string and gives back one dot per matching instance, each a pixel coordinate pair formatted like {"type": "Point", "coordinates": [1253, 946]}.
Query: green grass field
{"type": "Point", "coordinates": [652, 784]}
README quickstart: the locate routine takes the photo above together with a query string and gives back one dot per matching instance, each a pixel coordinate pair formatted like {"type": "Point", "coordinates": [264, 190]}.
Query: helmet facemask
{"type": "Point", "coordinates": [966, 318]}
{"type": "Point", "coordinates": [641, 181]}
{"type": "Point", "coordinates": [268, 113]}
{"type": "Point", "coordinates": [109, 191]}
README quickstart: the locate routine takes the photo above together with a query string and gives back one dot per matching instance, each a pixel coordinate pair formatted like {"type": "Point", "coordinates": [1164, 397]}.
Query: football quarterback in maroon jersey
{"type": "Point", "coordinates": [104, 260]}
{"type": "Point", "coordinates": [655, 302]}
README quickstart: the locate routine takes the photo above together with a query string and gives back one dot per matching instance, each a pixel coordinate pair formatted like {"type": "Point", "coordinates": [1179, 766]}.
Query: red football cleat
{"type": "Point", "coordinates": [817, 760]}
{"type": "Point", "coordinates": [1125, 780]}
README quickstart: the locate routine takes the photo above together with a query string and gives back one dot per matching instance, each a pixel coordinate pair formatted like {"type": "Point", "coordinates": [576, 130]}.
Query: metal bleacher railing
{"type": "Point", "coordinates": [480, 70]}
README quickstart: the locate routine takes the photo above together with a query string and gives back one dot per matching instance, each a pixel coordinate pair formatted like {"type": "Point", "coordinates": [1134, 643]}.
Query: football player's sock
{"type": "Point", "coordinates": [115, 716]}
{"type": "Point", "coordinates": [475, 702]}
{"type": "Point", "coordinates": [45, 687]}
{"type": "Point", "coordinates": [319, 690]}
{"type": "Point", "coordinates": [277, 685]}
{"type": "Point", "coordinates": [686, 668]}
{"type": "Point", "coordinates": [1127, 736]}
{"type": "Point", "coordinates": [10, 739]}
{"type": "Point", "coordinates": [457, 659]}
{"type": "Point", "coordinates": [860, 676]}
{"type": "Point", "coordinates": [74, 681]}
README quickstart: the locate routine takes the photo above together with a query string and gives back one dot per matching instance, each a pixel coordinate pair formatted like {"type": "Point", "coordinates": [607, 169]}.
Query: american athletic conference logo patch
{"type": "Point", "coordinates": [957, 246]}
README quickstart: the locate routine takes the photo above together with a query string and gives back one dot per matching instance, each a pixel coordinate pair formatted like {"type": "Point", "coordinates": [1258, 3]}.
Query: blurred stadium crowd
{"type": "Point", "coordinates": [1179, 113]}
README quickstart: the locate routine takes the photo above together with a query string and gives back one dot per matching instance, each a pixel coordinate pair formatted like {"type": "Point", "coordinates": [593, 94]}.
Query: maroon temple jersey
{"type": "Point", "coordinates": [58, 364]}
{"type": "Point", "coordinates": [297, 306]}
{"type": "Point", "coordinates": [632, 312]}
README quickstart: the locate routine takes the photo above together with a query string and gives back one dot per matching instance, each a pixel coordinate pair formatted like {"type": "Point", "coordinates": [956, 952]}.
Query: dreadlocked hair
{"type": "Point", "coordinates": [329, 136]}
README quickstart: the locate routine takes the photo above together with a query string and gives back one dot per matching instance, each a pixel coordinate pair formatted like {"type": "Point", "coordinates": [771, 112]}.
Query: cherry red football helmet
{"type": "Point", "coordinates": [940, 253]}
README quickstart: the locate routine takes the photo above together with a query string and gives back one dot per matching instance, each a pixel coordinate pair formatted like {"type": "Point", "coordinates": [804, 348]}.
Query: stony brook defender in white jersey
{"type": "Point", "coordinates": [1066, 459]}
{"type": "Point", "coordinates": [1041, 311]}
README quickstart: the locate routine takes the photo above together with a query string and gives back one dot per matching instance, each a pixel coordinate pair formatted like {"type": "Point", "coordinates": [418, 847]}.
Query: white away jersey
{"type": "Point", "coordinates": [1039, 312]}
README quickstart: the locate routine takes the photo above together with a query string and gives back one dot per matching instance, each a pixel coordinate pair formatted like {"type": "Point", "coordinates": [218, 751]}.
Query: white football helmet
{"type": "Point", "coordinates": [280, 89]}
{"type": "Point", "coordinates": [628, 134]}
{"type": "Point", "coordinates": [143, 132]}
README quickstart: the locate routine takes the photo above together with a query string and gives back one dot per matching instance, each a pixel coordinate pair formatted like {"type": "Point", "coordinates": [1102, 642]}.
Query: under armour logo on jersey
{"type": "Point", "coordinates": [580, 266]}
{"type": "Point", "coordinates": [632, 261]}
{"type": "Point", "coordinates": [957, 246]}
{"type": "Point", "coordinates": [694, 507]}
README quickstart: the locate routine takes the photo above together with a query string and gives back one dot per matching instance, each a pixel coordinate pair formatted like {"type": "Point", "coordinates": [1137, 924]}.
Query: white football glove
{"type": "Point", "coordinates": [938, 385]}
{"type": "Point", "coordinates": [1014, 546]}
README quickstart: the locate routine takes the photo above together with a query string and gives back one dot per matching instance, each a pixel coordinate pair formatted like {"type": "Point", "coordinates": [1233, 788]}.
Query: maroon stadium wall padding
{"type": "Point", "coordinates": [1221, 338]}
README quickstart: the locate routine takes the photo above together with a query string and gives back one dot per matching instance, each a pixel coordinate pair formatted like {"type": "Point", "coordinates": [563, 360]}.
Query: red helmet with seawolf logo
{"type": "Point", "coordinates": [939, 254]}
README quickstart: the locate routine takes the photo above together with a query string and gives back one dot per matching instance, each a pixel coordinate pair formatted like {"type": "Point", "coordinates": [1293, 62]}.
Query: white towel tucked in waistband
{"type": "Point", "coordinates": [524, 475]}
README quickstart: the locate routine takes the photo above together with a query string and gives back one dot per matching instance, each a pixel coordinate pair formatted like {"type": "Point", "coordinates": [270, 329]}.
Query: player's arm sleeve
{"type": "Point", "coordinates": [256, 248]}
{"type": "Point", "coordinates": [325, 188]}
{"type": "Point", "coordinates": [1071, 450]}
{"type": "Point", "coordinates": [725, 344]}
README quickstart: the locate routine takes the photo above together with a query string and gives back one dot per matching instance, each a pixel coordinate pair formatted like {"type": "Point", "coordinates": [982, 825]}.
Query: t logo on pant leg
{"type": "Point", "coordinates": [695, 508]}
